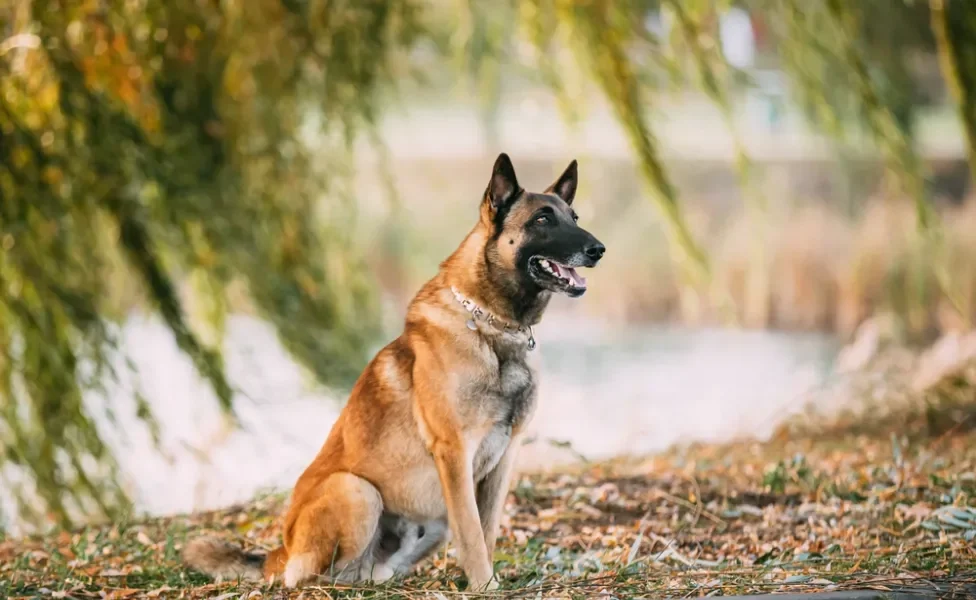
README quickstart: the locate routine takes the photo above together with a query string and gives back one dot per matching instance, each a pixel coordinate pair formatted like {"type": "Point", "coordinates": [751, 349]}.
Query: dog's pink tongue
{"type": "Point", "coordinates": [571, 273]}
{"type": "Point", "coordinates": [578, 279]}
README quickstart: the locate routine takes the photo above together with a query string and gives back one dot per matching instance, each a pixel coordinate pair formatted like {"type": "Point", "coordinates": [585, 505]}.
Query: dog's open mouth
{"type": "Point", "coordinates": [557, 276]}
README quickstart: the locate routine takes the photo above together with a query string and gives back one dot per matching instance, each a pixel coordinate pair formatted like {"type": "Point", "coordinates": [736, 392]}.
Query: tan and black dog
{"type": "Point", "coordinates": [424, 448]}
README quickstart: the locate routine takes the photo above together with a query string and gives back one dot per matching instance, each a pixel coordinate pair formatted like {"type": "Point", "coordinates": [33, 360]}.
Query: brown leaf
{"type": "Point", "coordinates": [156, 592]}
{"type": "Point", "coordinates": [120, 593]}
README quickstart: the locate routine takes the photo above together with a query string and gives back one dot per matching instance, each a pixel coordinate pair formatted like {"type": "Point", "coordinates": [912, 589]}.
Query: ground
{"type": "Point", "coordinates": [798, 513]}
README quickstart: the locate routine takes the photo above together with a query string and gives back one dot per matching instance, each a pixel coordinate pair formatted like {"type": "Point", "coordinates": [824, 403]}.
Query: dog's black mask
{"type": "Point", "coordinates": [550, 243]}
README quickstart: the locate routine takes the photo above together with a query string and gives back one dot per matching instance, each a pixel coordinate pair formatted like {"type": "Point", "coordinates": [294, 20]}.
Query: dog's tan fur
{"type": "Point", "coordinates": [429, 432]}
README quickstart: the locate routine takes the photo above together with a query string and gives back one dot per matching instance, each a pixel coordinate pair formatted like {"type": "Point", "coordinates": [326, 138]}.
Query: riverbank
{"type": "Point", "coordinates": [873, 486]}
{"type": "Point", "coordinates": [799, 513]}
{"type": "Point", "coordinates": [604, 391]}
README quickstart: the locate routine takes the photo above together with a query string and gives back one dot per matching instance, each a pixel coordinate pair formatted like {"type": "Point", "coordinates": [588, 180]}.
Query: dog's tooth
{"type": "Point", "coordinates": [544, 263]}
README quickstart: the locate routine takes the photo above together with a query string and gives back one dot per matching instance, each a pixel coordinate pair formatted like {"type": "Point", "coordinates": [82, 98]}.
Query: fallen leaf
{"type": "Point", "coordinates": [158, 591]}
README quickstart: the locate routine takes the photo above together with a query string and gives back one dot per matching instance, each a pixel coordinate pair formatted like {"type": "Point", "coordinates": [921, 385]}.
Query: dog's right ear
{"type": "Point", "coordinates": [503, 186]}
{"type": "Point", "coordinates": [565, 186]}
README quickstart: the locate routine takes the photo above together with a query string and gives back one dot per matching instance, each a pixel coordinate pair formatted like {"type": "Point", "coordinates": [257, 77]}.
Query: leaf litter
{"type": "Point", "coordinates": [881, 498]}
{"type": "Point", "coordinates": [797, 514]}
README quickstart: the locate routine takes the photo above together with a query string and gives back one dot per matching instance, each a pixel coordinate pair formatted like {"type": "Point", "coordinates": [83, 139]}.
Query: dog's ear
{"type": "Point", "coordinates": [565, 186]}
{"type": "Point", "coordinates": [503, 186]}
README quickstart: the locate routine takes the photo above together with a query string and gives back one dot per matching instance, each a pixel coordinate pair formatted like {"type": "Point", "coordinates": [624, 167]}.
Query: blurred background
{"type": "Point", "coordinates": [212, 213]}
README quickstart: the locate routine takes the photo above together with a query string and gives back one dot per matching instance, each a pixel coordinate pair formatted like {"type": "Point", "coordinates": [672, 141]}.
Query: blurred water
{"type": "Point", "coordinates": [606, 392]}
{"type": "Point", "coordinates": [642, 389]}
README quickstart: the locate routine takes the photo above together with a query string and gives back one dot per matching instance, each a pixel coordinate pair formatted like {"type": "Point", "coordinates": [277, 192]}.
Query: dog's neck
{"type": "Point", "coordinates": [509, 296]}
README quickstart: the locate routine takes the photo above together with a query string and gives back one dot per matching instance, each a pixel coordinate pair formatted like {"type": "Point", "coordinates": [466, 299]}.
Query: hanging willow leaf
{"type": "Point", "coordinates": [143, 144]}
{"type": "Point", "coordinates": [603, 31]}
{"type": "Point", "coordinates": [957, 59]}
{"type": "Point", "coordinates": [823, 51]}
{"type": "Point", "coordinates": [174, 135]}
{"type": "Point", "coordinates": [892, 140]}
{"type": "Point", "coordinates": [713, 70]}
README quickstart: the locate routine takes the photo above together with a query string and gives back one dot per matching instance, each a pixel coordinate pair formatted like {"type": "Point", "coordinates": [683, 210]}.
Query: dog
{"type": "Point", "coordinates": [424, 448]}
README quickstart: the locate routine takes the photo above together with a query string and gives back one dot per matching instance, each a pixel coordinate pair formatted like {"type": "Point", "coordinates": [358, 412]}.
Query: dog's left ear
{"type": "Point", "coordinates": [565, 186]}
{"type": "Point", "coordinates": [503, 186]}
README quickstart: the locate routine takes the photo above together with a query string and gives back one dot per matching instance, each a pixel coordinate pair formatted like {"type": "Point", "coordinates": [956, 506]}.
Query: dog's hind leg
{"type": "Point", "coordinates": [402, 543]}
{"type": "Point", "coordinates": [332, 533]}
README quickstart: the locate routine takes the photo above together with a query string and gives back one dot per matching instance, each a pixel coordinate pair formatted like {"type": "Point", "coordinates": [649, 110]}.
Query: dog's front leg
{"type": "Point", "coordinates": [491, 494]}
{"type": "Point", "coordinates": [436, 415]}
{"type": "Point", "coordinates": [457, 481]}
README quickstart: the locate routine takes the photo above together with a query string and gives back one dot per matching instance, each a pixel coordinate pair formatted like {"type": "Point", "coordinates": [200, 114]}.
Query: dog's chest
{"type": "Point", "coordinates": [499, 403]}
{"type": "Point", "coordinates": [509, 390]}
{"type": "Point", "coordinates": [515, 379]}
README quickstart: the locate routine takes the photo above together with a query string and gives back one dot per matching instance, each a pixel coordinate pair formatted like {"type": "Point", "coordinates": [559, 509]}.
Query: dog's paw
{"type": "Point", "coordinates": [487, 585]}
{"type": "Point", "coordinates": [298, 569]}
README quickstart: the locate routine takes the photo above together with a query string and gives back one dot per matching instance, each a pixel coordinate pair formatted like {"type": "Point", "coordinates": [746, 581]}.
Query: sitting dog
{"type": "Point", "coordinates": [424, 447]}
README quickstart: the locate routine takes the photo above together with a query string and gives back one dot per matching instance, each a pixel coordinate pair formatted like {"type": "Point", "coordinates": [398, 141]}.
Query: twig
{"type": "Point", "coordinates": [696, 507]}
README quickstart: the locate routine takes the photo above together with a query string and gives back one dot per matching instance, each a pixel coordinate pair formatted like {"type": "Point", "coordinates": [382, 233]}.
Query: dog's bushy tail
{"type": "Point", "coordinates": [222, 560]}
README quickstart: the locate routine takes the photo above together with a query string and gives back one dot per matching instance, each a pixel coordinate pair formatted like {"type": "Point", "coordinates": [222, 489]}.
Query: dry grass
{"type": "Point", "coordinates": [817, 270]}
{"type": "Point", "coordinates": [806, 265]}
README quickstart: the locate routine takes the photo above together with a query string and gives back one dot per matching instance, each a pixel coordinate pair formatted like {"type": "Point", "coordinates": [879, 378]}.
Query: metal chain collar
{"type": "Point", "coordinates": [478, 313]}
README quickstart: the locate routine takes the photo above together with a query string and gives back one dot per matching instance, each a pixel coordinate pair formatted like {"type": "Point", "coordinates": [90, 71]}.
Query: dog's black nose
{"type": "Point", "coordinates": [595, 251]}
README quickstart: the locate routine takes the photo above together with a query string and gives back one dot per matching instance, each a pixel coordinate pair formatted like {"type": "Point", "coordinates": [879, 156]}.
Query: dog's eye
{"type": "Point", "coordinates": [575, 218]}
{"type": "Point", "coordinates": [542, 220]}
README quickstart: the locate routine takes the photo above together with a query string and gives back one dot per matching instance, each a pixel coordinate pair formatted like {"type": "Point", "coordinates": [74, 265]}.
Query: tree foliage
{"type": "Point", "coordinates": [191, 140]}
{"type": "Point", "coordinates": [954, 28]}
{"type": "Point", "coordinates": [171, 138]}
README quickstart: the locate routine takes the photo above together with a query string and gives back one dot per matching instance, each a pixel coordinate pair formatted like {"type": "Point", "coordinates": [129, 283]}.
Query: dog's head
{"type": "Point", "coordinates": [535, 241]}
